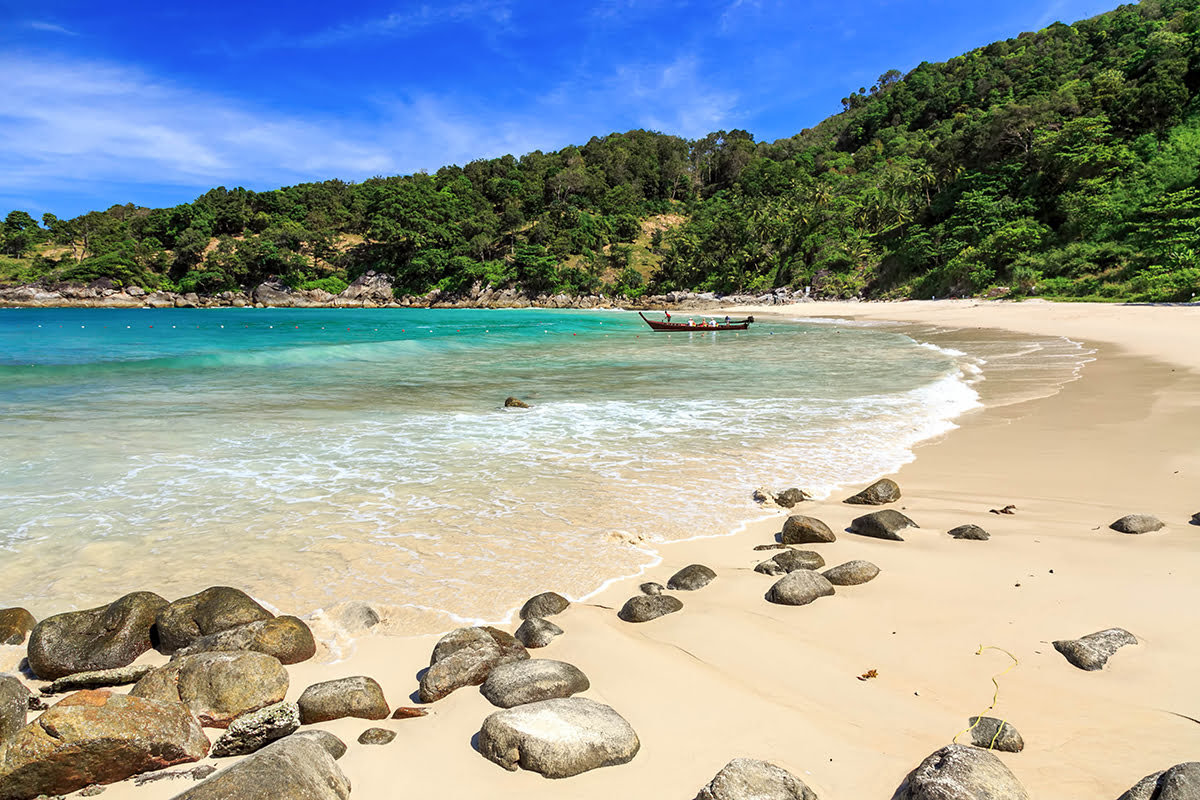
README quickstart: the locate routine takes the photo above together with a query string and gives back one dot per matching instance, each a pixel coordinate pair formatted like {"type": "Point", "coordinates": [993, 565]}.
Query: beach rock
{"type": "Point", "coordinates": [15, 625]}
{"type": "Point", "coordinates": [360, 697]}
{"type": "Point", "coordinates": [1137, 523]}
{"type": "Point", "coordinates": [763, 497]}
{"type": "Point", "coordinates": [376, 736]}
{"type": "Point", "coordinates": [772, 546]}
{"type": "Point", "coordinates": [215, 609]}
{"type": "Point", "coordinates": [971, 532]}
{"type": "Point", "coordinates": [558, 738]}
{"type": "Point", "coordinates": [546, 604]}
{"type": "Point", "coordinates": [790, 497]}
{"type": "Point", "coordinates": [878, 493]}
{"type": "Point", "coordinates": [465, 657]}
{"type": "Point", "coordinates": [750, 779]}
{"type": "Point", "coordinates": [328, 742]}
{"type": "Point", "coordinates": [512, 402]}
{"type": "Point", "coordinates": [799, 588]}
{"type": "Point", "coordinates": [646, 607]}
{"type": "Point", "coordinates": [257, 729]}
{"type": "Point", "coordinates": [98, 638]}
{"type": "Point", "coordinates": [1092, 652]}
{"type": "Point", "coordinates": [294, 768]}
{"type": "Point", "coordinates": [14, 706]}
{"type": "Point", "coordinates": [408, 712]}
{"type": "Point", "coordinates": [1196, 518]}
{"type": "Point", "coordinates": [98, 679]}
{"type": "Point", "coordinates": [690, 578]}
{"type": "Point", "coordinates": [217, 687]}
{"type": "Point", "coordinates": [958, 772]}
{"type": "Point", "coordinates": [537, 632]}
{"type": "Point", "coordinates": [521, 682]}
{"type": "Point", "coordinates": [95, 736]}
{"type": "Point", "coordinates": [1180, 782]}
{"type": "Point", "coordinates": [799, 529]}
{"type": "Point", "coordinates": [885, 524]}
{"type": "Point", "coordinates": [790, 561]}
{"type": "Point", "coordinates": [652, 588]}
{"type": "Point", "coordinates": [995, 734]}
{"type": "Point", "coordinates": [354, 616]}
{"type": "Point", "coordinates": [286, 638]}
{"type": "Point", "coordinates": [852, 573]}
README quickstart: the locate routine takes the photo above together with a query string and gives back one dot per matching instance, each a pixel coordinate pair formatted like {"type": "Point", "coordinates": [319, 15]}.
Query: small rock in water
{"type": "Point", "coordinates": [1137, 523]}
{"type": "Point", "coordinates": [799, 529]}
{"type": "Point", "coordinates": [558, 738]}
{"type": "Point", "coordinates": [1092, 652]}
{"type": "Point", "coordinates": [994, 734]}
{"type": "Point", "coordinates": [690, 578]}
{"type": "Point", "coordinates": [652, 588]}
{"type": "Point", "coordinates": [799, 588]}
{"type": "Point", "coordinates": [537, 632]}
{"type": "Point", "coordinates": [359, 696]}
{"type": "Point", "coordinates": [1180, 782]}
{"type": "Point", "coordinates": [408, 712]}
{"type": "Point", "coordinates": [750, 779]}
{"type": "Point", "coordinates": [15, 625]}
{"type": "Point", "coordinates": [958, 772]}
{"type": "Point", "coordinates": [790, 497]}
{"type": "Point", "coordinates": [972, 532]}
{"type": "Point", "coordinates": [790, 561]}
{"type": "Point", "coordinates": [644, 608]}
{"type": "Point", "coordinates": [885, 524]}
{"type": "Point", "coordinates": [852, 573]}
{"type": "Point", "coordinates": [546, 604]}
{"type": "Point", "coordinates": [878, 493]}
{"type": "Point", "coordinates": [376, 736]}
{"type": "Point", "coordinates": [512, 402]}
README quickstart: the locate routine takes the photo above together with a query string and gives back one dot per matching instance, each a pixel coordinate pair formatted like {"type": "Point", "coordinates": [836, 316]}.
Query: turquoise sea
{"type": "Point", "coordinates": [316, 456]}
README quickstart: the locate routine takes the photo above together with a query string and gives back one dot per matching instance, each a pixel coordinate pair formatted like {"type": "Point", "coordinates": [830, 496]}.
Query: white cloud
{"type": "Point", "coordinates": [673, 97]}
{"type": "Point", "coordinates": [407, 23]}
{"type": "Point", "coordinates": [50, 27]}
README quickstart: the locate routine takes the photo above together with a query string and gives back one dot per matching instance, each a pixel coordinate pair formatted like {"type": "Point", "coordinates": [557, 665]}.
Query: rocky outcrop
{"type": "Point", "coordinates": [98, 638]}
{"type": "Point", "coordinates": [750, 779]}
{"type": "Point", "coordinates": [537, 632]}
{"type": "Point", "coordinates": [852, 573]}
{"type": "Point", "coordinates": [370, 290]}
{"type": "Point", "coordinates": [885, 524]}
{"type": "Point", "coordinates": [790, 561]}
{"type": "Point", "coordinates": [1180, 782]}
{"type": "Point", "coordinates": [359, 696]}
{"type": "Point", "coordinates": [995, 734]}
{"type": "Point", "coordinates": [99, 679]}
{"type": "Point", "coordinates": [521, 682]}
{"type": "Point", "coordinates": [799, 588]}
{"type": "Point", "coordinates": [257, 729]}
{"type": "Point", "coordinates": [691, 578]}
{"type": "Point", "coordinates": [97, 737]}
{"type": "Point", "coordinates": [546, 604]}
{"type": "Point", "coordinates": [558, 738]}
{"type": "Point", "coordinates": [465, 657]}
{"type": "Point", "coordinates": [1137, 523]}
{"type": "Point", "coordinates": [296, 767]}
{"type": "Point", "coordinates": [286, 638]}
{"type": "Point", "coordinates": [877, 494]}
{"type": "Point", "coordinates": [645, 607]}
{"type": "Point", "coordinates": [799, 529]}
{"type": "Point", "coordinates": [215, 609]}
{"type": "Point", "coordinates": [15, 625]}
{"type": "Point", "coordinates": [217, 687]}
{"type": "Point", "coordinates": [14, 707]}
{"type": "Point", "coordinates": [958, 772]}
{"type": "Point", "coordinates": [1092, 652]}
{"type": "Point", "coordinates": [970, 532]}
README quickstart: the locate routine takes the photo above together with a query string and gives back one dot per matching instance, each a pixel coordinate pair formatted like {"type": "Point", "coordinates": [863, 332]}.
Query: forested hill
{"type": "Point", "coordinates": [1059, 163]}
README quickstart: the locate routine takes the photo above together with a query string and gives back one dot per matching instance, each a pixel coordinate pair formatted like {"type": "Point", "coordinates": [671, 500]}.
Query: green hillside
{"type": "Point", "coordinates": [1062, 163]}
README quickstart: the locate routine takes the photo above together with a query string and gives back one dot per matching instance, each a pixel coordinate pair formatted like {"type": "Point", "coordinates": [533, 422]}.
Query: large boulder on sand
{"type": "Point", "coordinates": [878, 493]}
{"type": "Point", "coordinates": [691, 578]}
{"type": "Point", "coordinates": [799, 529]}
{"type": "Point", "coordinates": [558, 738]}
{"type": "Point", "coordinates": [799, 588]}
{"type": "Point", "coordinates": [852, 573]}
{"type": "Point", "coordinates": [543, 605]}
{"type": "Point", "coordinates": [1092, 652]}
{"type": "Point", "coordinates": [465, 657]}
{"type": "Point", "coordinates": [537, 632]}
{"type": "Point", "coordinates": [750, 779]}
{"type": "Point", "coordinates": [296, 767]}
{"type": "Point", "coordinates": [217, 686]}
{"type": "Point", "coordinates": [885, 524]}
{"type": "Point", "coordinates": [97, 737]}
{"type": "Point", "coordinates": [1137, 523]}
{"type": "Point", "coordinates": [215, 609]}
{"type": "Point", "coordinates": [958, 772]}
{"type": "Point", "coordinates": [98, 638]}
{"type": "Point", "coordinates": [358, 696]}
{"type": "Point", "coordinates": [521, 682]}
{"type": "Point", "coordinates": [286, 638]}
{"type": "Point", "coordinates": [645, 607]}
{"type": "Point", "coordinates": [14, 707]}
{"type": "Point", "coordinates": [790, 561]}
{"type": "Point", "coordinates": [1180, 782]}
{"type": "Point", "coordinates": [15, 625]}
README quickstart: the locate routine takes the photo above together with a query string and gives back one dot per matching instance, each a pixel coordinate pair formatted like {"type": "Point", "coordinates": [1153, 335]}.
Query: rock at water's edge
{"type": "Point", "coordinates": [878, 493]}
{"type": "Point", "coordinates": [97, 638]}
{"type": "Point", "coordinates": [543, 605]}
{"type": "Point", "coordinates": [217, 608]}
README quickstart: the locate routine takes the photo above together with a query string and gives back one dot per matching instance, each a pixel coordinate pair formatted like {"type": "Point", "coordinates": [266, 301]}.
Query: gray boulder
{"type": "Point", "coordinates": [95, 736]}
{"type": "Point", "coordinates": [558, 738]}
{"type": "Point", "coordinates": [690, 578]}
{"type": "Point", "coordinates": [359, 696]}
{"type": "Point", "coordinates": [294, 768]}
{"type": "Point", "coordinates": [799, 588]}
{"type": "Point", "coordinates": [878, 493]}
{"type": "Point", "coordinates": [546, 604]}
{"type": "Point", "coordinates": [537, 632]}
{"type": "Point", "coordinates": [99, 678]}
{"type": "Point", "coordinates": [14, 706]}
{"type": "Point", "coordinates": [215, 609]}
{"type": "Point", "coordinates": [995, 734]}
{"type": "Point", "coordinates": [885, 524]}
{"type": "Point", "coordinates": [1180, 782]}
{"type": "Point", "coordinates": [376, 736]}
{"type": "Point", "coordinates": [286, 638]}
{"type": "Point", "coordinates": [790, 497]}
{"type": "Point", "coordinates": [645, 607]}
{"type": "Point", "coordinates": [98, 638]}
{"type": "Point", "coordinates": [255, 730]}
{"type": "Point", "coordinates": [217, 687]}
{"type": "Point", "coordinates": [958, 772]}
{"type": "Point", "coordinates": [465, 657]}
{"type": "Point", "coordinates": [790, 561]}
{"type": "Point", "coordinates": [330, 743]}
{"type": "Point", "coordinates": [799, 529]}
{"type": "Point", "coordinates": [852, 573]}
{"type": "Point", "coordinates": [1137, 523]}
{"type": "Point", "coordinates": [521, 682]}
{"type": "Point", "coordinates": [651, 587]}
{"type": "Point", "coordinates": [15, 625]}
{"type": "Point", "coordinates": [1092, 652]}
{"type": "Point", "coordinates": [970, 532]}
{"type": "Point", "coordinates": [750, 779]}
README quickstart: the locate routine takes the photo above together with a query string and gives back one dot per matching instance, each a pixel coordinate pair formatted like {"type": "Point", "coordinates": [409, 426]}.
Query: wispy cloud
{"type": "Point", "coordinates": [673, 97]}
{"type": "Point", "coordinates": [50, 27]}
{"type": "Point", "coordinates": [407, 23]}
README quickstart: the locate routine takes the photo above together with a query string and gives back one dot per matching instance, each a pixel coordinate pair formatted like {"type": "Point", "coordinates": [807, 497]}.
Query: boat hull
{"type": "Point", "coordinates": [657, 325]}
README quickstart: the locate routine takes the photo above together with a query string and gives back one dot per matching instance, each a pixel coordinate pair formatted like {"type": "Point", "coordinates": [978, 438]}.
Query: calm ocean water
{"type": "Point", "coordinates": [314, 456]}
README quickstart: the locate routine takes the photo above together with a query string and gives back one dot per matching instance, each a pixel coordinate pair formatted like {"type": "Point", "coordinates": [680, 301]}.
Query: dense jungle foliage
{"type": "Point", "coordinates": [1062, 163]}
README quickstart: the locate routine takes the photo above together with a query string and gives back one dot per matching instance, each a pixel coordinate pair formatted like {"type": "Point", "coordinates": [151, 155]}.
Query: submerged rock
{"type": "Point", "coordinates": [799, 588]}
{"type": "Point", "coordinates": [878, 493]}
{"type": "Point", "coordinates": [994, 734]}
{"type": "Point", "coordinates": [799, 529]}
{"type": "Point", "coordinates": [359, 696]}
{"type": "Point", "coordinates": [465, 657]}
{"type": "Point", "coordinates": [958, 772]}
{"type": "Point", "coordinates": [217, 687]}
{"type": "Point", "coordinates": [852, 573]}
{"type": "Point", "coordinates": [790, 561]}
{"type": "Point", "coordinates": [645, 607]}
{"type": "Point", "coordinates": [521, 682]}
{"type": "Point", "coordinates": [215, 609]}
{"type": "Point", "coordinates": [558, 738]}
{"type": "Point", "coordinates": [750, 779]}
{"type": "Point", "coordinates": [512, 402]}
{"type": "Point", "coordinates": [1137, 523]}
{"type": "Point", "coordinates": [1092, 652]}
{"type": "Point", "coordinates": [885, 524]}
{"type": "Point", "coordinates": [546, 604]}
{"type": "Point", "coordinates": [98, 638]}
{"type": "Point", "coordinates": [690, 578]}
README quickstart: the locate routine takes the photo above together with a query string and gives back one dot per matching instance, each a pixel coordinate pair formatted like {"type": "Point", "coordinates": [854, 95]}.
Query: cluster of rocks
{"type": "Point", "coordinates": [654, 602]}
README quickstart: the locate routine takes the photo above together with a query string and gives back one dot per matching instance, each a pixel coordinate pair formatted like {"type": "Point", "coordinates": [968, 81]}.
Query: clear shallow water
{"type": "Point", "coordinates": [318, 455]}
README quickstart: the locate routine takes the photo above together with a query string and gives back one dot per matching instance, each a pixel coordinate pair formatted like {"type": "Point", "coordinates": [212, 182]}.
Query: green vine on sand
{"type": "Point", "coordinates": [995, 696]}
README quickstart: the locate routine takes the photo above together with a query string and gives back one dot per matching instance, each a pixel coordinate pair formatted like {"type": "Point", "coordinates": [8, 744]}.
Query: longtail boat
{"type": "Point", "coordinates": [663, 325]}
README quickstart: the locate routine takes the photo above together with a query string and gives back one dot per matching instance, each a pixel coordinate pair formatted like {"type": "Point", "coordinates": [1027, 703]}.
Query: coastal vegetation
{"type": "Point", "coordinates": [1061, 163]}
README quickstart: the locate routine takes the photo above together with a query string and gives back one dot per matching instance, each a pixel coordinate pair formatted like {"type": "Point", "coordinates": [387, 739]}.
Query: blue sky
{"type": "Point", "coordinates": [154, 103]}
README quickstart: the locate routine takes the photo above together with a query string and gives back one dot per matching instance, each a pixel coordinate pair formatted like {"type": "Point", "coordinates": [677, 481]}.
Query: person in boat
{"type": "Point", "coordinates": [668, 313]}
{"type": "Point", "coordinates": [726, 319]}
{"type": "Point", "coordinates": [691, 322]}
